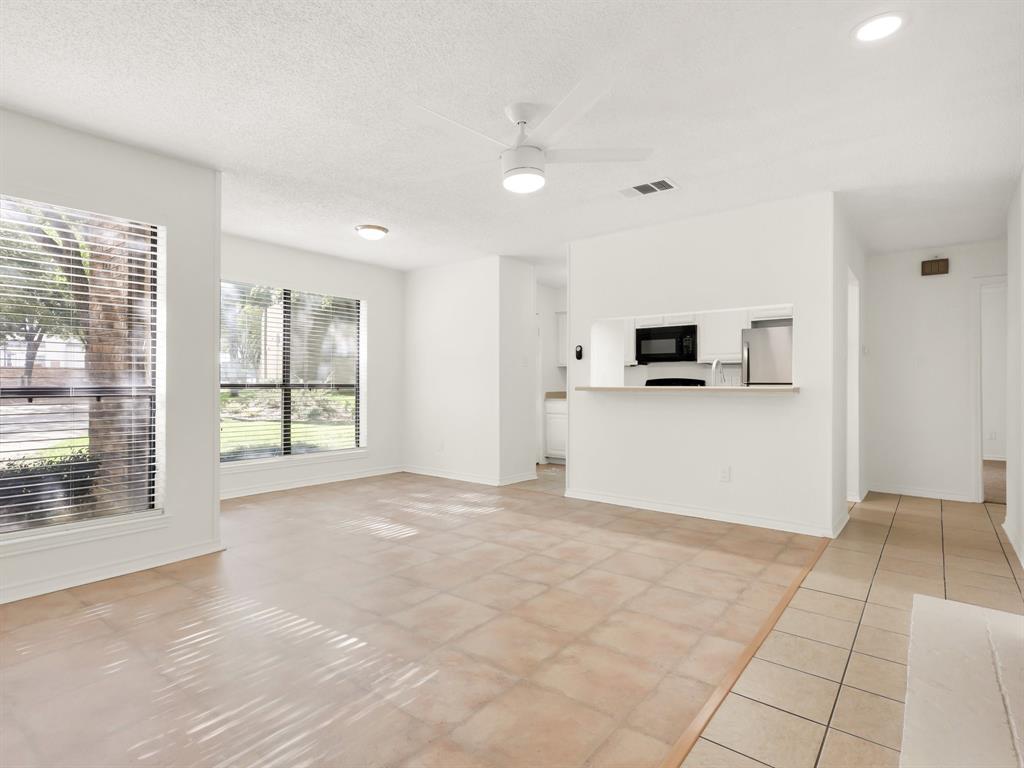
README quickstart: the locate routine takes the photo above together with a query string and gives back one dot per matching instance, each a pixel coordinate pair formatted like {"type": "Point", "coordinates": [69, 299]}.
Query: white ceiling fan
{"type": "Point", "coordinates": [523, 161]}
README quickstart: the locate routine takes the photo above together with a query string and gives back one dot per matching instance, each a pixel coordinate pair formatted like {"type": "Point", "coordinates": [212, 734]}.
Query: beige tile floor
{"type": "Point", "coordinates": [397, 621]}
{"type": "Point", "coordinates": [550, 479]}
{"type": "Point", "coordinates": [827, 687]}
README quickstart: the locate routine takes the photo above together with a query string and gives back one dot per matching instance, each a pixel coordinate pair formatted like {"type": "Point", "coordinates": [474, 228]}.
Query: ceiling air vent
{"type": "Point", "coordinates": [661, 185]}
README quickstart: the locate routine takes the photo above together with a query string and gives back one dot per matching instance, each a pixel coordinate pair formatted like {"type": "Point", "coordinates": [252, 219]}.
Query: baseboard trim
{"type": "Point", "coordinates": [463, 477]}
{"type": "Point", "coordinates": [254, 489]}
{"type": "Point", "coordinates": [75, 578]}
{"type": "Point", "coordinates": [854, 499]}
{"type": "Point", "coordinates": [522, 477]}
{"type": "Point", "coordinates": [837, 526]}
{"type": "Point", "coordinates": [993, 458]}
{"type": "Point", "coordinates": [708, 514]}
{"type": "Point", "coordinates": [926, 493]}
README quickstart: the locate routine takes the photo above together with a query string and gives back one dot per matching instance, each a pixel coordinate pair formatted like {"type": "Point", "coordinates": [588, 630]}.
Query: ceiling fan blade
{"type": "Point", "coordinates": [577, 103]}
{"type": "Point", "coordinates": [596, 155]}
{"type": "Point", "coordinates": [457, 124]}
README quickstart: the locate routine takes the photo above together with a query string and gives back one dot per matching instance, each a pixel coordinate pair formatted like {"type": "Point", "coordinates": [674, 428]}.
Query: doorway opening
{"type": "Point", "coordinates": [552, 402]}
{"type": "Point", "coordinates": [993, 391]}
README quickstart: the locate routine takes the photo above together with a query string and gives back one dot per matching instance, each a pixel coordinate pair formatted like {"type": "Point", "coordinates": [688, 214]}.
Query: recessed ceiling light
{"type": "Point", "coordinates": [878, 28]}
{"type": "Point", "coordinates": [371, 231]}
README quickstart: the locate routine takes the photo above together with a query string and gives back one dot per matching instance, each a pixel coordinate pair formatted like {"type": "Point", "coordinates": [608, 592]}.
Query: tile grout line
{"type": "Point", "coordinates": [1013, 573]}
{"type": "Point", "coordinates": [805, 719]}
{"type": "Point", "coordinates": [681, 749]}
{"type": "Point", "coordinates": [841, 647]}
{"type": "Point", "coordinates": [942, 547]}
{"type": "Point", "coordinates": [839, 692]}
{"type": "Point", "coordinates": [736, 752]}
{"type": "Point", "coordinates": [827, 679]}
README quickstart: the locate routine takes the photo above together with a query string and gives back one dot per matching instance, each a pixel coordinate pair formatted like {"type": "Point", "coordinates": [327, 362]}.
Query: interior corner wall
{"type": "Point", "coordinates": [666, 451]}
{"type": "Point", "coordinates": [517, 375]}
{"type": "Point", "coordinates": [993, 371]}
{"type": "Point", "coordinates": [848, 256]}
{"type": "Point", "coordinates": [382, 294]}
{"type": "Point", "coordinates": [1014, 525]}
{"type": "Point", "coordinates": [922, 382]}
{"type": "Point", "coordinates": [45, 162]}
{"type": "Point", "coordinates": [451, 371]}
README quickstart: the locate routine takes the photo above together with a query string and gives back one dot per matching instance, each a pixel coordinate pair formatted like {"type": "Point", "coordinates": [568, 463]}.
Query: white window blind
{"type": "Point", "coordinates": [78, 365]}
{"type": "Point", "coordinates": [289, 372]}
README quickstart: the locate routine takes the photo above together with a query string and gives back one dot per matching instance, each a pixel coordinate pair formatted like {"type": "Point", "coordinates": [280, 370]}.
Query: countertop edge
{"type": "Point", "coordinates": [780, 389]}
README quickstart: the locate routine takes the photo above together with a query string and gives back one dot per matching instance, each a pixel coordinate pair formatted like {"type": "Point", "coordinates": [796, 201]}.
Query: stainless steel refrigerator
{"type": "Point", "coordinates": [768, 355]}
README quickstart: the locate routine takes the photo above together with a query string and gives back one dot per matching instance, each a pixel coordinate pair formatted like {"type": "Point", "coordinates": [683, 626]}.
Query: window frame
{"type": "Point", "coordinates": [150, 393]}
{"type": "Point", "coordinates": [287, 388]}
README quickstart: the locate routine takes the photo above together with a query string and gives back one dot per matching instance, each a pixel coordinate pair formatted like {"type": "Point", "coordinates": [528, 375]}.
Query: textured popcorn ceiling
{"type": "Point", "coordinates": [308, 107]}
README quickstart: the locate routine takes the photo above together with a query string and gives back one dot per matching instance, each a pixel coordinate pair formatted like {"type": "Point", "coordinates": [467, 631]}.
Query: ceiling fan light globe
{"type": "Point", "coordinates": [523, 181]}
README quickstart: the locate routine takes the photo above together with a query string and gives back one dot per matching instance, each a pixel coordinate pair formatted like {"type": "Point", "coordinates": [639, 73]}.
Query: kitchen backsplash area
{"type": "Point", "coordinates": [637, 375]}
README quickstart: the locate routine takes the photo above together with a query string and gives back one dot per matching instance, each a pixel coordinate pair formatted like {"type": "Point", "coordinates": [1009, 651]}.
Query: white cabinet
{"type": "Point", "coordinates": [689, 319]}
{"type": "Point", "coordinates": [629, 341]}
{"type": "Point", "coordinates": [556, 428]}
{"type": "Point", "coordinates": [771, 313]}
{"type": "Point", "coordinates": [650, 321]}
{"type": "Point", "coordinates": [719, 335]}
{"type": "Point", "coordinates": [562, 338]}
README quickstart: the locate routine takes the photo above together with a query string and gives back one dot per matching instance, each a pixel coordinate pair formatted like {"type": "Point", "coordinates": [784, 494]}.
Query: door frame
{"type": "Point", "coordinates": [981, 285]}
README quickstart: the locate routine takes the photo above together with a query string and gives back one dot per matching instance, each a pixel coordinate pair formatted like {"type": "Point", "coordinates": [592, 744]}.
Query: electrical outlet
{"type": "Point", "coordinates": [725, 475]}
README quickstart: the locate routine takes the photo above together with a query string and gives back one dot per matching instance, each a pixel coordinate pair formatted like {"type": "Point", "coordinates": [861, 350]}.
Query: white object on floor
{"type": "Point", "coordinates": [965, 687]}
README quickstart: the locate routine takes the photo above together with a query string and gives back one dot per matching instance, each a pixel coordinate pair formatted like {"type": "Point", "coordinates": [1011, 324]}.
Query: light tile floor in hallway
{"type": "Point", "coordinates": [827, 686]}
{"type": "Point", "coordinates": [994, 481]}
{"type": "Point", "coordinates": [550, 479]}
{"type": "Point", "coordinates": [397, 621]}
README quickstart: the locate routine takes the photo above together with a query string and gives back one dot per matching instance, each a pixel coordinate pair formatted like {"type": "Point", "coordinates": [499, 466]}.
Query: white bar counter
{"type": "Point", "coordinates": [754, 389]}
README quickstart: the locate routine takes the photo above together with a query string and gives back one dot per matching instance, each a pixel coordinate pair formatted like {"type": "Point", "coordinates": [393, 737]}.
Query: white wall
{"type": "Point", "coordinates": [471, 371]}
{"type": "Point", "coordinates": [854, 489]}
{"type": "Point", "coordinates": [923, 378]}
{"type": "Point", "coordinates": [849, 277]}
{"type": "Point", "coordinates": [517, 375]}
{"type": "Point", "coordinates": [382, 293]}
{"type": "Point", "coordinates": [665, 451]}
{"type": "Point", "coordinates": [451, 370]}
{"type": "Point", "coordinates": [1014, 524]}
{"type": "Point", "coordinates": [45, 162]}
{"type": "Point", "coordinates": [993, 371]}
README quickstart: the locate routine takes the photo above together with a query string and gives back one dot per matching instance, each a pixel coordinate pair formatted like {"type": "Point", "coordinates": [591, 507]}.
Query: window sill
{"type": "Point", "coordinates": [326, 457]}
{"type": "Point", "coordinates": [69, 534]}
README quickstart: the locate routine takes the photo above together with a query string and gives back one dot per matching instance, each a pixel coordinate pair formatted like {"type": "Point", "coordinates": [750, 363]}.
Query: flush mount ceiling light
{"type": "Point", "coordinates": [371, 231]}
{"type": "Point", "coordinates": [878, 28]}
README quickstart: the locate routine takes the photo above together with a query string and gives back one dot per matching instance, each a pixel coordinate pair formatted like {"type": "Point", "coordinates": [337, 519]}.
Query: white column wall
{"type": "Point", "coordinates": [666, 451]}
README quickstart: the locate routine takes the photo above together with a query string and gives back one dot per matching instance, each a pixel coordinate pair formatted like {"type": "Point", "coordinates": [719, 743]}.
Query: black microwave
{"type": "Point", "coordinates": [667, 344]}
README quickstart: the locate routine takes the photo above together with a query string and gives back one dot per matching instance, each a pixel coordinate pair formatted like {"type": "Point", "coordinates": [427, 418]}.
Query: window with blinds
{"type": "Point", "coordinates": [289, 372]}
{"type": "Point", "coordinates": [79, 419]}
